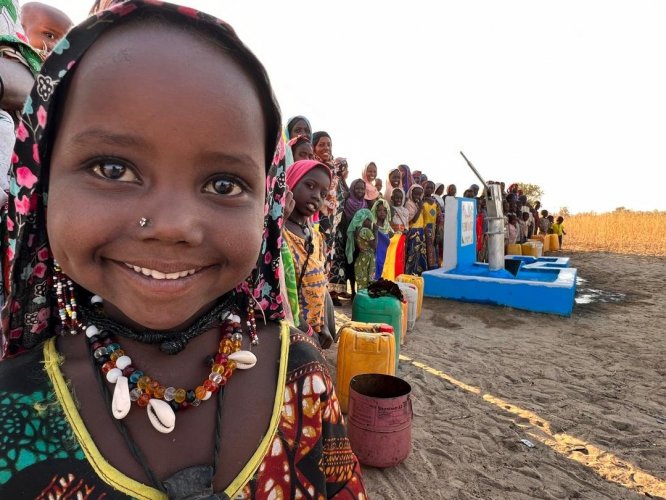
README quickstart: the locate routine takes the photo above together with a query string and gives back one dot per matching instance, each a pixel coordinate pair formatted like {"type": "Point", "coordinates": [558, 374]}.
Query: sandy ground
{"type": "Point", "coordinates": [588, 391]}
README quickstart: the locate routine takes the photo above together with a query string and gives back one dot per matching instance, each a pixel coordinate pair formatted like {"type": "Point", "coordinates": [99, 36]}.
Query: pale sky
{"type": "Point", "coordinates": [569, 95]}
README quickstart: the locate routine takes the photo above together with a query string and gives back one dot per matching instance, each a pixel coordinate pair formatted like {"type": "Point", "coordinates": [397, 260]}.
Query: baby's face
{"type": "Point", "coordinates": [44, 29]}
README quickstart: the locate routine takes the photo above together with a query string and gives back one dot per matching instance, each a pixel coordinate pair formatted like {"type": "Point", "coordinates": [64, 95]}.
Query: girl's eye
{"type": "Point", "coordinates": [114, 172]}
{"type": "Point", "coordinates": [224, 187]}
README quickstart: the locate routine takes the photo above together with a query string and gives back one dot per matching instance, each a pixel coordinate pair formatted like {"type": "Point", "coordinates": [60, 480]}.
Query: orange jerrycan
{"type": "Point", "coordinates": [529, 249]}
{"type": "Point", "coordinates": [554, 242]}
{"type": "Point", "coordinates": [362, 350]}
{"type": "Point", "coordinates": [414, 280]}
{"type": "Point", "coordinates": [514, 249]}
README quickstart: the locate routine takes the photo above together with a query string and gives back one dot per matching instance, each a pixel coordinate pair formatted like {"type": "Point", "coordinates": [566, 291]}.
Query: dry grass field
{"type": "Point", "coordinates": [621, 231]}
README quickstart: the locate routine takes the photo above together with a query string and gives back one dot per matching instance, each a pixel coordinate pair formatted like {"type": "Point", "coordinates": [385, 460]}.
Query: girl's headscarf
{"type": "Point", "coordinates": [286, 136]}
{"type": "Point", "coordinates": [371, 193]}
{"type": "Point", "coordinates": [299, 169]}
{"type": "Point", "coordinates": [291, 122]}
{"type": "Point", "coordinates": [357, 221]}
{"type": "Point", "coordinates": [354, 204]}
{"type": "Point", "coordinates": [438, 197]}
{"type": "Point", "coordinates": [31, 313]}
{"type": "Point", "coordinates": [388, 190]}
{"type": "Point", "coordinates": [412, 208]}
{"type": "Point", "coordinates": [386, 227]}
{"type": "Point", "coordinates": [407, 179]}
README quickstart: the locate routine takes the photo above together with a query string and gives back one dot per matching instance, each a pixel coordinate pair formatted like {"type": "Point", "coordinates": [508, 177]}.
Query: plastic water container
{"type": "Point", "coordinates": [363, 348]}
{"type": "Point", "coordinates": [514, 249]}
{"type": "Point", "coordinates": [538, 245]}
{"type": "Point", "coordinates": [418, 282]}
{"type": "Point", "coordinates": [404, 316]}
{"type": "Point", "coordinates": [411, 294]}
{"type": "Point", "coordinates": [380, 310]}
{"type": "Point", "coordinates": [554, 242]}
{"type": "Point", "coordinates": [546, 243]}
{"type": "Point", "coordinates": [529, 249]}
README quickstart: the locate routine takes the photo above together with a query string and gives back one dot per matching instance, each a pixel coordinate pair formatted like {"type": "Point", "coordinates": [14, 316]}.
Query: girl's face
{"type": "Point", "coordinates": [371, 172]}
{"type": "Point", "coordinates": [428, 189]}
{"type": "Point", "coordinates": [311, 191]}
{"type": "Point", "coordinates": [323, 149]}
{"type": "Point", "coordinates": [394, 178]}
{"type": "Point", "coordinates": [506, 207]}
{"type": "Point", "coordinates": [359, 190]}
{"type": "Point", "coordinates": [303, 152]}
{"type": "Point", "coordinates": [367, 223]}
{"type": "Point", "coordinates": [452, 190]}
{"type": "Point", "coordinates": [195, 171]}
{"type": "Point", "coordinates": [300, 127]}
{"type": "Point", "coordinates": [381, 213]}
{"type": "Point", "coordinates": [440, 190]}
{"type": "Point", "coordinates": [397, 198]}
{"type": "Point", "coordinates": [417, 194]}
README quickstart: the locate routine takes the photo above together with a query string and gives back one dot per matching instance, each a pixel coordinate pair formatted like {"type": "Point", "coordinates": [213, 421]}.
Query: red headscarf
{"type": "Point", "coordinates": [300, 168]}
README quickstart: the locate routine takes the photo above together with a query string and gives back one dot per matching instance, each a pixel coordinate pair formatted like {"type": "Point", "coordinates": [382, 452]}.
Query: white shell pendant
{"type": "Point", "coordinates": [121, 403]}
{"type": "Point", "coordinates": [244, 359]}
{"type": "Point", "coordinates": [161, 415]}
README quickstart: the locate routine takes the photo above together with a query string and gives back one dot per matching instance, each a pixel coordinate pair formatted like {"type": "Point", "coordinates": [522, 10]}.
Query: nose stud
{"type": "Point", "coordinates": [143, 222]}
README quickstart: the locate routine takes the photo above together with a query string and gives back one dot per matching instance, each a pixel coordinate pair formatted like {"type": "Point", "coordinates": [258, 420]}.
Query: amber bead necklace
{"type": "Point", "coordinates": [133, 385]}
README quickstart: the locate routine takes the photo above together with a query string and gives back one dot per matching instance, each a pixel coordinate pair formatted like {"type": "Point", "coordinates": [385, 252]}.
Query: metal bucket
{"type": "Point", "coordinates": [380, 419]}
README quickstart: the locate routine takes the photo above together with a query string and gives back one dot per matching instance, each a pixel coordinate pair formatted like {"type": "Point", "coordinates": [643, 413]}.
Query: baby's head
{"type": "Point", "coordinates": [44, 25]}
{"type": "Point", "coordinates": [172, 177]}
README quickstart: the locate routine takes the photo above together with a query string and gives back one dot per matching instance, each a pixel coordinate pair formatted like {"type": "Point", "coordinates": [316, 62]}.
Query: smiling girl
{"type": "Point", "coordinates": [131, 302]}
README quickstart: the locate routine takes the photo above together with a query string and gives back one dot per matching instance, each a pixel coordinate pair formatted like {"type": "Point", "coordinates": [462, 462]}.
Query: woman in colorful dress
{"type": "Point", "coordinates": [416, 250]}
{"type": "Point", "coordinates": [164, 268]}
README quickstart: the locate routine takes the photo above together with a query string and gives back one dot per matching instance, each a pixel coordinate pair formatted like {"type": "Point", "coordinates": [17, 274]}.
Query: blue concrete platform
{"type": "Point", "coordinates": [546, 287]}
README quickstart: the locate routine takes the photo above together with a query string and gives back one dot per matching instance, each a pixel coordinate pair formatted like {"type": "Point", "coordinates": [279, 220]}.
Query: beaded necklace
{"type": "Point", "coordinates": [133, 385]}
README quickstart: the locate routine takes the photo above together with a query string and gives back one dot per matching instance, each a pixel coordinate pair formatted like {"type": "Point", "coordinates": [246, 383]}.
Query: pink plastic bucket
{"type": "Point", "coordinates": [380, 419]}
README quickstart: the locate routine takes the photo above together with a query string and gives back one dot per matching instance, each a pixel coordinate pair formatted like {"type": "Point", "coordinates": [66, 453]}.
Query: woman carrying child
{"type": "Point", "coordinates": [380, 213]}
{"type": "Point", "coordinates": [417, 254]}
{"type": "Point", "coordinates": [161, 237]}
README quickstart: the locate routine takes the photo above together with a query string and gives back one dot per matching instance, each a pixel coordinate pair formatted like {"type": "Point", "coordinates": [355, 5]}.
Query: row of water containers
{"type": "Point", "coordinates": [371, 342]}
{"type": "Point", "coordinates": [377, 402]}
